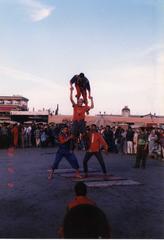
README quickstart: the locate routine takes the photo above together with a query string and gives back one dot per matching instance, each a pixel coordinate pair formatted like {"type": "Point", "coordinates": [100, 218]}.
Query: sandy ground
{"type": "Point", "coordinates": [31, 206]}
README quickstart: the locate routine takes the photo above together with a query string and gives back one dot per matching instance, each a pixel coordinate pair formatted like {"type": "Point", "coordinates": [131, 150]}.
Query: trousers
{"type": "Point", "coordinates": [99, 157]}
{"type": "Point", "coordinates": [141, 156]}
{"type": "Point", "coordinates": [70, 157]}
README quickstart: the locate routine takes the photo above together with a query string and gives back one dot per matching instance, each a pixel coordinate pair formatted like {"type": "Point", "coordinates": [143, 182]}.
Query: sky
{"type": "Point", "coordinates": [117, 44]}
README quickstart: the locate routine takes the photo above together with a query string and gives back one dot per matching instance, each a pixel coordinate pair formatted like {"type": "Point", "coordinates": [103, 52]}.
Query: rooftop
{"type": "Point", "coordinates": [14, 97]}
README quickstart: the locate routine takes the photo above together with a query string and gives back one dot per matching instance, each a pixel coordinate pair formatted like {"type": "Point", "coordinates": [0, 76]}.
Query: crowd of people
{"type": "Point", "coordinates": [29, 135]}
{"type": "Point", "coordinates": [46, 135]}
{"type": "Point", "coordinates": [126, 140]}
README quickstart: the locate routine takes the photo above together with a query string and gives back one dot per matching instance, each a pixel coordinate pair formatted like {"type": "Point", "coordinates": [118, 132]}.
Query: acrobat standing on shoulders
{"type": "Point", "coordinates": [79, 110]}
{"type": "Point", "coordinates": [82, 86]}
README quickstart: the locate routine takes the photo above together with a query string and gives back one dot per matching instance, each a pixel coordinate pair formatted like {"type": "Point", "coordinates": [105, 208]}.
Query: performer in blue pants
{"type": "Point", "coordinates": [64, 150]}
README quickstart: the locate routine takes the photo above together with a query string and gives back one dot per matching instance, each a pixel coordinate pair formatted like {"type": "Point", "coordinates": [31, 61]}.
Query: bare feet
{"type": "Point", "coordinates": [50, 174]}
{"type": "Point", "coordinates": [77, 174]}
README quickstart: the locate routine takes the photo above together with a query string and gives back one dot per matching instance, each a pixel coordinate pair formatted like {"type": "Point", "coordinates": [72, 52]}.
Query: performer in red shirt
{"type": "Point", "coordinates": [79, 111]}
{"type": "Point", "coordinates": [65, 151]}
{"type": "Point", "coordinates": [95, 142]}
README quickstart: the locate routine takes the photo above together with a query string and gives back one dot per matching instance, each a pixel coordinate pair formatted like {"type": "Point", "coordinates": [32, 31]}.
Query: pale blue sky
{"type": "Point", "coordinates": [118, 44]}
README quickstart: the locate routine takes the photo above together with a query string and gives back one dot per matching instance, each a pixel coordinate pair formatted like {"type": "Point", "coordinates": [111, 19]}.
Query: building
{"type": "Point", "coordinates": [15, 108]}
{"type": "Point", "coordinates": [126, 111]}
{"type": "Point", "coordinates": [12, 103]}
{"type": "Point", "coordinates": [124, 119]}
{"type": "Point", "coordinates": [29, 116]}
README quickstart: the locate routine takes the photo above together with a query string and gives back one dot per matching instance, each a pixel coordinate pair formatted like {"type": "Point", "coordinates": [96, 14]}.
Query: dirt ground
{"type": "Point", "coordinates": [31, 206]}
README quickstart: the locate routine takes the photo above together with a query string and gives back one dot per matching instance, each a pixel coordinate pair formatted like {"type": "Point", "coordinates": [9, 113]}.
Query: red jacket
{"type": "Point", "coordinates": [79, 112]}
{"type": "Point", "coordinates": [78, 200]}
{"type": "Point", "coordinates": [96, 141]}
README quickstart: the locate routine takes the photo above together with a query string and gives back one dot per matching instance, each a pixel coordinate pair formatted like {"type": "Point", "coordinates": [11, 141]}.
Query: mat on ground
{"type": "Point", "coordinates": [93, 176]}
{"type": "Point", "coordinates": [97, 178]}
{"type": "Point", "coordinates": [91, 173]}
{"type": "Point", "coordinates": [68, 172]}
{"type": "Point", "coordinates": [107, 183]}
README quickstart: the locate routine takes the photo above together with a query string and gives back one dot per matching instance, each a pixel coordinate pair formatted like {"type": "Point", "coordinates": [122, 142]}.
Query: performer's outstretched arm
{"type": "Point", "coordinates": [89, 89]}
{"type": "Point", "coordinates": [92, 103]}
{"type": "Point", "coordinates": [73, 80]}
{"type": "Point", "coordinates": [71, 97]}
{"type": "Point", "coordinates": [71, 84]}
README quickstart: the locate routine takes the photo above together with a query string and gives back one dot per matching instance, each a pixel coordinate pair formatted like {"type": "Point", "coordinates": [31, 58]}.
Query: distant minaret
{"type": "Point", "coordinates": [126, 111]}
{"type": "Point", "coordinates": [57, 109]}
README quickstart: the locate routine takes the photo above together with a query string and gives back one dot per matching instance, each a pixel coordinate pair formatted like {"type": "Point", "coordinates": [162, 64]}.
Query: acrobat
{"type": "Point", "coordinates": [95, 143]}
{"type": "Point", "coordinates": [79, 110]}
{"type": "Point", "coordinates": [64, 150]}
{"type": "Point", "coordinates": [82, 86]}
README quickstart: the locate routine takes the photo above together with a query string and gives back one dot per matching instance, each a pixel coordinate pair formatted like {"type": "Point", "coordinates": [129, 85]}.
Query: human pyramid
{"type": "Point", "coordinates": [93, 140]}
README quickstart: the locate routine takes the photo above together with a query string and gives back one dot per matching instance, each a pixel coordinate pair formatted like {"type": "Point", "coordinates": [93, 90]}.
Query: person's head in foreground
{"type": "Point", "coordinates": [80, 189]}
{"type": "Point", "coordinates": [86, 221]}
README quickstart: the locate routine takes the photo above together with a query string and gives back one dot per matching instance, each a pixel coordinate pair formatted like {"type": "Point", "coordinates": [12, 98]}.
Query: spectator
{"type": "Point", "coordinates": [43, 138]}
{"type": "Point", "coordinates": [135, 140]}
{"type": "Point", "coordinates": [37, 137]}
{"type": "Point", "coordinates": [109, 138]}
{"type": "Point", "coordinates": [141, 149]}
{"type": "Point", "coordinates": [28, 135]}
{"type": "Point", "coordinates": [152, 143]}
{"type": "Point", "coordinates": [118, 138]}
{"type": "Point", "coordinates": [33, 127]}
{"type": "Point", "coordinates": [129, 138]}
{"type": "Point", "coordinates": [162, 144]}
{"type": "Point", "coordinates": [86, 222]}
{"type": "Point", "coordinates": [80, 199]}
{"type": "Point", "coordinates": [4, 136]}
{"type": "Point", "coordinates": [81, 196]}
{"type": "Point", "coordinates": [15, 135]}
{"type": "Point", "coordinates": [123, 144]}
{"type": "Point", "coordinates": [22, 136]}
